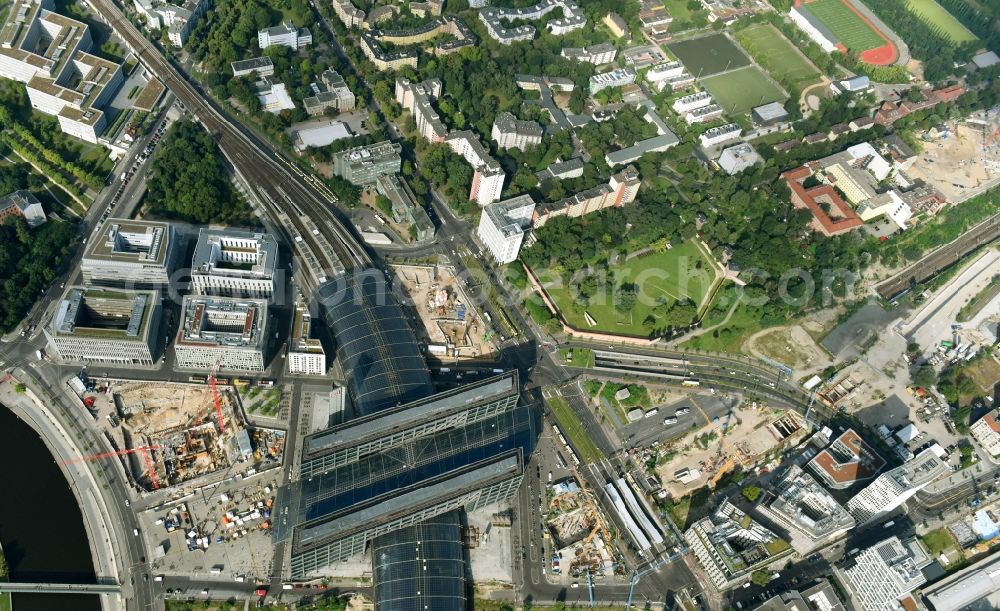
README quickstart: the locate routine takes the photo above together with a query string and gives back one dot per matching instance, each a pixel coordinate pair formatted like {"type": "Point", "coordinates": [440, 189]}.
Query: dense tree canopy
{"type": "Point", "coordinates": [29, 260]}
{"type": "Point", "coordinates": [188, 181]}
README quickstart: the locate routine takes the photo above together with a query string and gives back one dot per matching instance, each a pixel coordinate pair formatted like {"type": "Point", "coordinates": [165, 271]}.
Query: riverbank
{"type": "Point", "coordinates": [33, 411]}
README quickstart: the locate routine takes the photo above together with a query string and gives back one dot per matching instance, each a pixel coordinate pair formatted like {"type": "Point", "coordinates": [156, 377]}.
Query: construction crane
{"type": "Point", "coordinates": [215, 393]}
{"type": "Point", "coordinates": [144, 450]}
{"type": "Point", "coordinates": [732, 452]}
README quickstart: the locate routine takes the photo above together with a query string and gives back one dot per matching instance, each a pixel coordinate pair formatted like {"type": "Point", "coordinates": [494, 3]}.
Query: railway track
{"type": "Point", "coordinates": [940, 259]}
{"type": "Point", "coordinates": [294, 201]}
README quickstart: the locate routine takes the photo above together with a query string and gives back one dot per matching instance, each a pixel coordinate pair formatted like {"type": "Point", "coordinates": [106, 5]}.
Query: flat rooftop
{"type": "Point", "coordinates": [104, 314]}
{"type": "Point", "coordinates": [124, 240]}
{"type": "Point", "coordinates": [234, 252]}
{"type": "Point", "coordinates": [222, 322]}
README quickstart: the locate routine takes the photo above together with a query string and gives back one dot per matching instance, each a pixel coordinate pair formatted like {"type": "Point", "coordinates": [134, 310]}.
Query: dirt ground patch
{"type": "Point", "coordinates": [792, 346]}
{"type": "Point", "coordinates": [985, 372]}
{"type": "Point", "coordinates": [959, 162]}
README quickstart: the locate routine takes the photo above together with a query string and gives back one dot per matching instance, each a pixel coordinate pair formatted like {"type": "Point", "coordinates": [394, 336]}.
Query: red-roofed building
{"type": "Point", "coordinates": [831, 214]}
{"type": "Point", "coordinates": [987, 432]}
{"type": "Point", "coordinates": [846, 461]}
{"type": "Point", "coordinates": [890, 112]}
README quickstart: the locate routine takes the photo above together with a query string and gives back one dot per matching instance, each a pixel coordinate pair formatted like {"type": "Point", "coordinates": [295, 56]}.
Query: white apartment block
{"type": "Point", "coordinates": [48, 52]}
{"type": "Point", "coordinates": [703, 114]}
{"type": "Point", "coordinates": [114, 327]}
{"type": "Point", "coordinates": [718, 135]}
{"type": "Point", "coordinates": [493, 17]}
{"type": "Point", "coordinates": [615, 78]}
{"type": "Point", "coordinates": [986, 431]}
{"type": "Point", "coordinates": [893, 488]}
{"type": "Point", "coordinates": [416, 98]}
{"type": "Point", "coordinates": [502, 226]}
{"type": "Point", "coordinates": [509, 132]}
{"type": "Point", "coordinates": [234, 263]}
{"type": "Point", "coordinates": [488, 176]}
{"type": "Point", "coordinates": [691, 102]}
{"type": "Point", "coordinates": [179, 20]}
{"type": "Point", "coordinates": [599, 54]}
{"type": "Point", "coordinates": [886, 572]}
{"type": "Point", "coordinates": [286, 35]}
{"type": "Point", "coordinates": [664, 70]}
{"type": "Point", "coordinates": [305, 355]}
{"type": "Point", "coordinates": [230, 332]}
{"type": "Point", "coordinates": [139, 253]}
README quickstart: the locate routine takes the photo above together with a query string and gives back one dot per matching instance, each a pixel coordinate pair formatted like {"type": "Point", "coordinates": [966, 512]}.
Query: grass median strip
{"type": "Point", "coordinates": [572, 428]}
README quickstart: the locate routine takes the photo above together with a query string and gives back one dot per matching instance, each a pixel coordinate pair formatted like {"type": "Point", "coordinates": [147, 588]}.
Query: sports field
{"type": "Point", "coordinates": [937, 16]}
{"type": "Point", "coordinates": [668, 275]}
{"type": "Point", "coordinates": [845, 24]}
{"type": "Point", "coordinates": [778, 56]}
{"type": "Point", "coordinates": [737, 92]}
{"type": "Point", "coordinates": [709, 55]}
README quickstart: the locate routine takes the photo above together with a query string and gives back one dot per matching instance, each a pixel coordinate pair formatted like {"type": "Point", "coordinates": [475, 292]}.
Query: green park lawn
{"type": "Point", "coordinates": [668, 275]}
{"type": "Point", "coordinates": [740, 90]}
{"type": "Point", "coordinates": [573, 430]}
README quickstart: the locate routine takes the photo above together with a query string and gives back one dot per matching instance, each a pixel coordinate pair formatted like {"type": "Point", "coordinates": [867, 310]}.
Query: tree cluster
{"type": "Point", "coordinates": [188, 181]}
{"type": "Point", "coordinates": [29, 260]}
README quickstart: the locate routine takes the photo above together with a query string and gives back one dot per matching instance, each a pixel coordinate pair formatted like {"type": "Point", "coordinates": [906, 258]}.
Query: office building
{"type": "Point", "coordinates": [286, 35]}
{"type": "Point", "coordinates": [273, 95]}
{"type": "Point", "coordinates": [305, 354]}
{"type": "Point", "coordinates": [234, 263]}
{"type": "Point", "coordinates": [130, 253]}
{"type": "Point", "coordinates": [805, 510]}
{"type": "Point", "coordinates": [488, 176]}
{"type": "Point", "coordinates": [333, 93]}
{"type": "Point", "coordinates": [895, 487]}
{"type": "Point", "coordinates": [846, 461]}
{"type": "Point", "coordinates": [398, 474]}
{"type": "Point", "coordinates": [259, 66]}
{"type": "Point", "coordinates": [48, 52]}
{"type": "Point", "coordinates": [615, 78]}
{"type": "Point", "coordinates": [405, 209]}
{"type": "Point", "coordinates": [416, 98]}
{"type": "Point", "coordinates": [603, 53]}
{"type": "Point", "coordinates": [509, 132]}
{"type": "Point", "coordinates": [975, 588]}
{"type": "Point", "coordinates": [179, 19]}
{"type": "Point", "coordinates": [885, 573]}
{"type": "Point", "coordinates": [739, 157]}
{"type": "Point", "coordinates": [502, 226]}
{"type": "Point", "coordinates": [730, 546]}
{"type": "Point", "coordinates": [363, 164]}
{"type": "Point", "coordinates": [225, 330]}
{"type": "Point", "coordinates": [986, 431]}
{"type": "Point", "coordinates": [819, 597]}
{"type": "Point", "coordinates": [113, 327]}
{"type": "Point", "coordinates": [25, 205]}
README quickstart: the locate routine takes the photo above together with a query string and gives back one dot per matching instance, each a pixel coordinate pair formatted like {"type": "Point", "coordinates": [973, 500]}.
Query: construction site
{"type": "Point", "coordinates": [579, 536]}
{"type": "Point", "coordinates": [960, 157]}
{"type": "Point", "coordinates": [752, 437]}
{"type": "Point", "coordinates": [174, 433]}
{"type": "Point", "coordinates": [450, 326]}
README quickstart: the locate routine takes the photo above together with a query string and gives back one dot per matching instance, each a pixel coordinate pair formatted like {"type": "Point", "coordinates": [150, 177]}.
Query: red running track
{"type": "Point", "coordinates": [879, 56]}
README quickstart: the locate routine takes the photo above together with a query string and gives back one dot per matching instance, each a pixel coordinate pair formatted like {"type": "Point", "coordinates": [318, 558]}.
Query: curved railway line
{"type": "Point", "coordinates": [296, 202]}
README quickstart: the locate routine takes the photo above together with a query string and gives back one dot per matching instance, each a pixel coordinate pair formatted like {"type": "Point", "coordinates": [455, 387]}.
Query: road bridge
{"type": "Point", "coordinates": [59, 588]}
